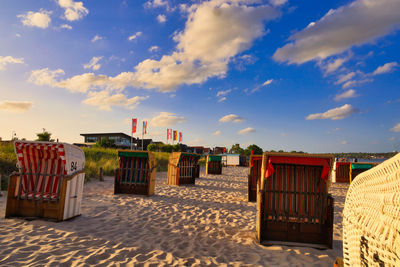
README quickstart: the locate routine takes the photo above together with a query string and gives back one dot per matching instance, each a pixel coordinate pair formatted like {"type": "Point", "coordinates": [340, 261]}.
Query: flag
{"type": "Point", "coordinates": [144, 127]}
{"type": "Point", "coordinates": [134, 123]}
{"type": "Point", "coordinates": [167, 134]}
{"type": "Point", "coordinates": [175, 135]}
{"type": "Point", "coordinates": [180, 137]}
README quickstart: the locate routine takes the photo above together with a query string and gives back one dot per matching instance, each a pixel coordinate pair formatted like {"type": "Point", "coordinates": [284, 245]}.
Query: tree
{"type": "Point", "coordinates": [44, 136]}
{"type": "Point", "coordinates": [176, 148]}
{"type": "Point", "coordinates": [106, 143]}
{"type": "Point", "coordinates": [256, 150]}
{"type": "Point", "coordinates": [152, 147]}
{"type": "Point", "coordinates": [236, 149]}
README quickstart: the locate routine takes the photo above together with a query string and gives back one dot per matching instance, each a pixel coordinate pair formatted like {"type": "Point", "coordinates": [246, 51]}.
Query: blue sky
{"type": "Point", "coordinates": [316, 76]}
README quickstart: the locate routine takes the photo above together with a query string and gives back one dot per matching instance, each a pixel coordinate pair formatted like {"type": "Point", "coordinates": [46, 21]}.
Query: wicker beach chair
{"type": "Point", "coordinates": [136, 173]}
{"type": "Point", "coordinates": [342, 172]}
{"type": "Point", "coordinates": [359, 167]}
{"type": "Point", "coordinates": [183, 168]}
{"type": "Point", "coordinates": [254, 176]}
{"type": "Point", "coordinates": [293, 205]}
{"type": "Point", "coordinates": [214, 164]}
{"type": "Point", "coordinates": [371, 217]}
{"type": "Point", "coordinates": [49, 183]}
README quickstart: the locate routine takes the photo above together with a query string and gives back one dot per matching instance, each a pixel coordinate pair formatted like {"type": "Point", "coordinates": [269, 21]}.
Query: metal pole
{"type": "Point", "coordinates": [142, 137]}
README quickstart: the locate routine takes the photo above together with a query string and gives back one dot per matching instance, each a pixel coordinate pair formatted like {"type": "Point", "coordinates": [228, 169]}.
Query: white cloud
{"type": "Point", "coordinates": [334, 114]}
{"type": "Point", "coordinates": [227, 29]}
{"type": "Point", "coordinates": [345, 95]}
{"type": "Point", "coordinates": [217, 133]}
{"type": "Point", "coordinates": [161, 18]}
{"type": "Point", "coordinates": [388, 67]}
{"type": "Point", "coordinates": [355, 24]}
{"type": "Point", "coordinates": [247, 131]}
{"type": "Point", "coordinates": [334, 65]}
{"type": "Point", "coordinates": [39, 19]}
{"type": "Point", "coordinates": [345, 77]}
{"type": "Point", "coordinates": [154, 48]}
{"type": "Point", "coordinates": [277, 2]}
{"type": "Point", "coordinates": [343, 142]}
{"type": "Point", "coordinates": [66, 26]}
{"type": "Point", "coordinates": [4, 61]}
{"type": "Point", "coordinates": [267, 82]}
{"type": "Point", "coordinates": [15, 106]}
{"type": "Point", "coordinates": [166, 119]}
{"type": "Point", "coordinates": [232, 118]}
{"type": "Point", "coordinates": [18, 35]}
{"type": "Point", "coordinates": [392, 138]}
{"type": "Point", "coordinates": [134, 36]}
{"type": "Point", "coordinates": [45, 76]}
{"type": "Point", "coordinates": [222, 99]}
{"type": "Point", "coordinates": [396, 128]}
{"type": "Point", "coordinates": [73, 10]}
{"type": "Point", "coordinates": [156, 4]}
{"type": "Point", "coordinates": [223, 93]}
{"type": "Point", "coordinates": [103, 100]}
{"type": "Point", "coordinates": [96, 38]}
{"type": "Point", "coordinates": [93, 64]}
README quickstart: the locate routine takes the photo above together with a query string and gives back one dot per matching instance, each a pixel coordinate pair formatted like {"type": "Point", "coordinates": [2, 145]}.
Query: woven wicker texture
{"type": "Point", "coordinates": [371, 217]}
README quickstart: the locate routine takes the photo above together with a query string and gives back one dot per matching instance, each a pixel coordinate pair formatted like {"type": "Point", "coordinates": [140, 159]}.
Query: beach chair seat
{"type": "Point", "coordinates": [293, 204]}
{"type": "Point", "coordinates": [49, 183]}
{"type": "Point", "coordinates": [136, 173]}
{"type": "Point", "coordinates": [254, 176]}
{"type": "Point", "coordinates": [213, 164]}
{"type": "Point", "coordinates": [371, 217]}
{"type": "Point", "coordinates": [183, 168]}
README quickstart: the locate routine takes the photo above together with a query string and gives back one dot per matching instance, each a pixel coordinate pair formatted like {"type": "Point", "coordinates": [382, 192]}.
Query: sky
{"type": "Point", "coordinates": [313, 76]}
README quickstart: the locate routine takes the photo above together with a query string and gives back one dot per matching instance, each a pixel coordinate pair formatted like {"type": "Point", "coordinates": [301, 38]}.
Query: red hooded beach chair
{"type": "Point", "coordinates": [49, 183]}
{"type": "Point", "coordinates": [293, 205]}
{"type": "Point", "coordinates": [342, 174]}
{"type": "Point", "coordinates": [254, 176]}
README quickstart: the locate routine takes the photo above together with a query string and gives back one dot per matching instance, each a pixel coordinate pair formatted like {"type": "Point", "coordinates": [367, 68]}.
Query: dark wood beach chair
{"type": "Point", "coordinates": [183, 168]}
{"type": "Point", "coordinates": [359, 167]}
{"type": "Point", "coordinates": [49, 183]}
{"type": "Point", "coordinates": [254, 176]}
{"type": "Point", "coordinates": [371, 217]}
{"type": "Point", "coordinates": [342, 174]}
{"type": "Point", "coordinates": [136, 173]}
{"type": "Point", "coordinates": [214, 164]}
{"type": "Point", "coordinates": [293, 205]}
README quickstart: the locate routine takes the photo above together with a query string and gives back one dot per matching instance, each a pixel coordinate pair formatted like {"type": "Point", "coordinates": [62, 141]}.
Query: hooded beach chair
{"type": "Point", "coordinates": [254, 176]}
{"type": "Point", "coordinates": [213, 164]}
{"type": "Point", "coordinates": [136, 173]}
{"type": "Point", "coordinates": [371, 217]}
{"type": "Point", "coordinates": [49, 183]}
{"type": "Point", "coordinates": [359, 167]}
{"type": "Point", "coordinates": [293, 205]}
{"type": "Point", "coordinates": [182, 168]}
{"type": "Point", "coordinates": [342, 174]}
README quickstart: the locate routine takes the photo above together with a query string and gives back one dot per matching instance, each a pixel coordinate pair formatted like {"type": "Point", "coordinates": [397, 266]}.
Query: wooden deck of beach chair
{"type": "Point", "coordinates": [213, 164]}
{"type": "Point", "coordinates": [342, 174]}
{"type": "Point", "coordinates": [183, 168]}
{"type": "Point", "coordinates": [359, 167]}
{"type": "Point", "coordinates": [254, 176]}
{"type": "Point", "coordinates": [136, 173]}
{"type": "Point", "coordinates": [371, 217]}
{"type": "Point", "coordinates": [49, 183]}
{"type": "Point", "coordinates": [293, 205]}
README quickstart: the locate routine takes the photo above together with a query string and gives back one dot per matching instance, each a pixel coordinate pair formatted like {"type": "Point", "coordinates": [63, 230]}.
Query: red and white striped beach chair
{"type": "Point", "coordinates": [49, 183]}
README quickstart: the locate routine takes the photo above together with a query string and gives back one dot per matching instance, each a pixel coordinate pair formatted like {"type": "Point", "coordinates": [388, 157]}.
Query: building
{"type": "Point", "coordinates": [220, 150]}
{"type": "Point", "coordinates": [121, 140]}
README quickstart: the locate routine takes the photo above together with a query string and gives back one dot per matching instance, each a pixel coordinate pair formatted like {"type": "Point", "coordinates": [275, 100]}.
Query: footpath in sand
{"type": "Point", "coordinates": [210, 223]}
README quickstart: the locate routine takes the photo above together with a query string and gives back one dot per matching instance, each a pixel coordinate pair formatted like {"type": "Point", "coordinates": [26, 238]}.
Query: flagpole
{"type": "Point", "coordinates": [142, 137]}
{"type": "Point", "coordinates": [132, 135]}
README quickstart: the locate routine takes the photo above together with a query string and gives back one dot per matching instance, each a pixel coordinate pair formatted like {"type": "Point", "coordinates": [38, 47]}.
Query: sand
{"type": "Point", "coordinates": [210, 223]}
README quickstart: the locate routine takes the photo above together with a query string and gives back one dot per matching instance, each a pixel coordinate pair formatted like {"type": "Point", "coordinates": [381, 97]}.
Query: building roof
{"type": "Point", "coordinates": [106, 134]}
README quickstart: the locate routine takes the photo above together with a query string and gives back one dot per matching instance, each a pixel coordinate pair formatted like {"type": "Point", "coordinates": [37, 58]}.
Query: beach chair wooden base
{"type": "Point", "coordinates": [136, 189]}
{"type": "Point", "coordinates": [285, 232]}
{"type": "Point", "coordinates": [42, 208]}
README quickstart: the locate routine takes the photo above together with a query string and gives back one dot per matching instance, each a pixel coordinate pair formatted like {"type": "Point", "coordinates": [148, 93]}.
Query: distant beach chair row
{"type": "Point", "coordinates": [346, 172]}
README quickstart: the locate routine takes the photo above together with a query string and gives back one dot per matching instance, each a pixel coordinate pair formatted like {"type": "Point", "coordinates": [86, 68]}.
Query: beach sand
{"type": "Point", "coordinates": [210, 223]}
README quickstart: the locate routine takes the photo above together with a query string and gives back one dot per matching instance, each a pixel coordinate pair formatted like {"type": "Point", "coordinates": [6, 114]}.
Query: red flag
{"type": "Point", "coordinates": [167, 134]}
{"type": "Point", "coordinates": [145, 127]}
{"type": "Point", "coordinates": [175, 135]}
{"type": "Point", "coordinates": [180, 137]}
{"type": "Point", "coordinates": [134, 123]}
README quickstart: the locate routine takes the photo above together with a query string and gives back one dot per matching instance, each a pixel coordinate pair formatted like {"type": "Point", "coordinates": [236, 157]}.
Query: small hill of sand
{"type": "Point", "coordinates": [210, 223]}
